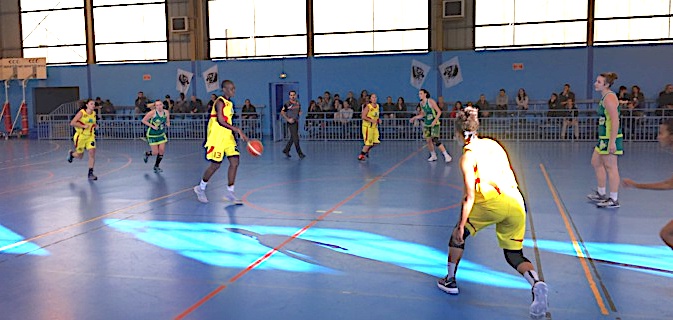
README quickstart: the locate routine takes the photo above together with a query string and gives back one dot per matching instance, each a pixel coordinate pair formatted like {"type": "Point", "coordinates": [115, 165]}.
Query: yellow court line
{"type": "Point", "coordinates": [573, 238]}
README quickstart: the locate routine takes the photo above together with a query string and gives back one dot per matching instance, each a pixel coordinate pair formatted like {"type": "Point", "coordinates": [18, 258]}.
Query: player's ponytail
{"type": "Point", "coordinates": [609, 77]}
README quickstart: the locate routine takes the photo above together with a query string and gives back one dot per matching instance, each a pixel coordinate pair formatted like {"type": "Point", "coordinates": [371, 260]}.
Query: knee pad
{"type": "Point", "coordinates": [515, 257]}
{"type": "Point", "coordinates": [436, 141]}
{"type": "Point", "coordinates": [453, 244]}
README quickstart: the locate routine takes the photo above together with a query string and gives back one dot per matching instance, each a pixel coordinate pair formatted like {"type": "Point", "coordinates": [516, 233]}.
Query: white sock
{"type": "Point", "coordinates": [433, 154]}
{"type": "Point", "coordinates": [613, 195]}
{"type": "Point", "coordinates": [531, 276]}
{"type": "Point", "coordinates": [230, 188]}
{"type": "Point", "coordinates": [446, 154]}
{"type": "Point", "coordinates": [203, 185]}
{"type": "Point", "coordinates": [601, 191]}
{"type": "Point", "coordinates": [451, 269]}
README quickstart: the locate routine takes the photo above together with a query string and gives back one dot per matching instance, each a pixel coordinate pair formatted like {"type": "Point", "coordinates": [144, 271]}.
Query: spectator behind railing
{"type": "Point", "coordinates": [182, 105]}
{"type": "Point", "coordinates": [570, 115]}
{"type": "Point", "coordinates": [195, 105]}
{"type": "Point", "coordinates": [346, 113]}
{"type": "Point", "coordinates": [352, 101]}
{"type": "Point", "coordinates": [522, 100]}
{"type": "Point", "coordinates": [483, 106]}
{"type": "Point", "coordinates": [401, 109]}
{"type": "Point", "coordinates": [554, 106]}
{"type": "Point", "coordinates": [501, 100]}
{"type": "Point", "coordinates": [565, 95]}
{"type": "Point", "coordinates": [211, 103]}
{"type": "Point", "coordinates": [665, 101]}
{"type": "Point", "coordinates": [388, 108]}
{"type": "Point", "coordinates": [637, 98]}
{"type": "Point", "coordinates": [248, 111]}
{"type": "Point", "coordinates": [169, 103]}
{"type": "Point", "coordinates": [108, 109]}
{"type": "Point", "coordinates": [141, 103]}
{"type": "Point", "coordinates": [443, 106]}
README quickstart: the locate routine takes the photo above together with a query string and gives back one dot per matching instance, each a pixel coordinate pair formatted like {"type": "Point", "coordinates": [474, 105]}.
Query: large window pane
{"type": "Point", "coordinates": [132, 51]}
{"type": "Point", "coordinates": [72, 54]}
{"type": "Point", "coordinates": [500, 36]}
{"type": "Point", "coordinates": [281, 46]}
{"type": "Point", "coordinates": [353, 42]}
{"type": "Point", "coordinates": [401, 40]}
{"type": "Point", "coordinates": [567, 32]}
{"type": "Point", "coordinates": [399, 14]}
{"type": "Point", "coordinates": [130, 23]}
{"type": "Point", "coordinates": [273, 17]}
{"type": "Point", "coordinates": [629, 8]}
{"type": "Point", "coordinates": [53, 28]}
{"type": "Point", "coordinates": [342, 16]}
{"type": "Point", "coordinates": [223, 24]}
{"type": "Point", "coordinates": [632, 29]}
{"type": "Point", "coordinates": [493, 11]}
{"type": "Point", "coordinates": [30, 5]}
{"type": "Point", "coordinates": [116, 2]}
{"type": "Point", "coordinates": [549, 10]}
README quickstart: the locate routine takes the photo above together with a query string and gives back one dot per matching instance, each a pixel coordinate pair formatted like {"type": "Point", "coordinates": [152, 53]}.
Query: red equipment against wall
{"type": "Point", "coordinates": [24, 118]}
{"type": "Point", "coordinates": [7, 115]}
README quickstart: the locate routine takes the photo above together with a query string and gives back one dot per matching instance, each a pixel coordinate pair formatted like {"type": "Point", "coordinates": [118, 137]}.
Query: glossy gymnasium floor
{"type": "Point", "coordinates": [327, 237]}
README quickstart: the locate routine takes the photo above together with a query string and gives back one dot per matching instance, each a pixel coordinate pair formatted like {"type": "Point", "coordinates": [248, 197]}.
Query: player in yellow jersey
{"type": "Point", "coordinates": [491, 197]}
{"type": "Point", "coordinates": [85, 136]}
{"type": "Point", "coordinates": [221, 143]}
{"type": "Point", "coordinates": [370, 126]}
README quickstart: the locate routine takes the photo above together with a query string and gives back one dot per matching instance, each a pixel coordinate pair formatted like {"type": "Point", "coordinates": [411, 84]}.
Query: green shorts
{"type": "Point", "coordinates": [431, 131]}
{"type": "Point", "coordinates": [602, 146]}
{"type": "Point", "coordinates": [155, 140]}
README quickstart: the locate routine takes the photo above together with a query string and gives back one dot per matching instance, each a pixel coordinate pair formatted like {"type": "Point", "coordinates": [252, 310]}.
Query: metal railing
{"type": "Point", "coordinates": [129, 126]}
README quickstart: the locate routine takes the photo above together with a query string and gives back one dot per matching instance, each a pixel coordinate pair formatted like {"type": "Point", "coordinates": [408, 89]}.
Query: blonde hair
{"type": "Point", "coordinates": [609, 77]}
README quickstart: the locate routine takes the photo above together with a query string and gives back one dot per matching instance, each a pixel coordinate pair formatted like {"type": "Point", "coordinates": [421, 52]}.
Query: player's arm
{"type": "Point", "coordinates": [661, 185]}
{"type": "Point", "coordinates": [611, 106]}
{"type": "Point", "coordinates": [222, 120]}
{"type": "Point", "coordinates": [147, 117]}
{"type": "Point", "coordinates": [283, 113]}
{"type": "Point", "coordinates": [364, 116]}
{"type": "Point", "coordinates": [438, 111]}
{"type": "Point", "coordinates": [168, 118]}
{"type": "Point", "coordinates": [467, 167]}
{"type": "Point", "coordinates": [420, 115]}
{"type": "Point", "coordinates": [75, 122]}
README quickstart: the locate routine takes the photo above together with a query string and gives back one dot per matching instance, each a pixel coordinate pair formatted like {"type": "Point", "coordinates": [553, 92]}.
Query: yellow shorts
{"type": "Point", "coordinates": [370, 135]}
{"type": "Point", "coordinates": [218, 152]}
{"type": "Point", "coordinates": [507, 211]}
{"type": "Point", "coordinates": [83, 142]}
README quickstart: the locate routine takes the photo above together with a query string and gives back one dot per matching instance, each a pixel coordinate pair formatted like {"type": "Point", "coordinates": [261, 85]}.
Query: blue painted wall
{"type": "Point", "coordinates": [545, 71]}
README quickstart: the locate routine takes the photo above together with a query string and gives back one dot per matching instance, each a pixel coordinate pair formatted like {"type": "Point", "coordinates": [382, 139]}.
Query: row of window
{"type": "Point", "coordinates": [136, 30]}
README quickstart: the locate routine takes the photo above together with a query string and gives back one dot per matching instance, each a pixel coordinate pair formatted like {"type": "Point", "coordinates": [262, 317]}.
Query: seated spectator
{"type": "Point", "coordinates": [108, 109]}
{"type": "Point", "coordinates": [327, 102]}
{"type": "Point", "coordinates": [624, 98]}
{"type": "Point", "coordinates": [637, 98]}
{"type": "Point", "coordinates": [443, 106]}
{"type": "Point", "coordinates": [501, 100]}
{"type": "Point", "coordinates": [345, 113]}
{"type": "Point", "coordinates": [458, 106]}
{"type": "Point", "coordinates": [565, 95]}
{"type": "Point", "coordinates": [334, 102]}
{"type": "Point", "coordinates": [182, 105]}
{"type": "Point", "coordinates": [364, 99]}
{"type": "Point", "coordinates": [313, 113]}
{"type": "Point", "coordinates": [389, 108]}
{"type": "Point", "coordinates": [401, 109]}
{"type": "Point", "coordinates": [665, 101]}
{"type": "Point", "coordinates": [141, 103]}
{"type": "Point", "coordinates": [337, 107]}
{"type": "Point", "coordinates": [248, 111]}
{"type": "Point", "coordinates": [554, 106]}
{"type": "Point", "coordinates": [211, 103]}
{"type": "Point", "coordinates": [484, 107]}
{"type": "Point", "coordinates": [169, 103]}
{"type": "Point", "coordinates": [352, 101]}
{"type": "Point", "coordinates": [570, 119]}
{"type": "Point", "coordinates": [195, 105]}
{"type": "Point", "coordinates": [522, 100]}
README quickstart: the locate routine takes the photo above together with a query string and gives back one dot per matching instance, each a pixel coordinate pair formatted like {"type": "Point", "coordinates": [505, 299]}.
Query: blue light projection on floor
{"type": "Point", "coordinates": [320, 250]}
{"type": "Point", "coordinates": [13, 243]}
{"type": "Point", "coordinates": [648, 259]}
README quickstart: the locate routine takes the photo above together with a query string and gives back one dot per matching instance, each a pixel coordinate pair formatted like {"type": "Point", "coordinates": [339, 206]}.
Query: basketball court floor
{"type": "Point", "coordinates": [326, 237]}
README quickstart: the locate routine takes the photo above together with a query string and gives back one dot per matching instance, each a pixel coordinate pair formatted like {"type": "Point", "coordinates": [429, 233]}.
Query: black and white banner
{"type": "Point", "coordinates": [184, 79]}
{"type": "Point", "coordinates": [451, 73]}
{"type": "Point", "coordinates": [419, 71]}
{"type": "Point", "coordinates": [211, 79]}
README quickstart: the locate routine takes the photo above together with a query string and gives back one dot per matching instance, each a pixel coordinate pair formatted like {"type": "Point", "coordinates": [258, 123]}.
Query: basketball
{"type": "Point", "coordinates": [255, 148]}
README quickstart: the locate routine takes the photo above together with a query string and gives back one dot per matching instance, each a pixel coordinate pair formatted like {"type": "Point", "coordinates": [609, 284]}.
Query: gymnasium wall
{"type": "Point", "coordinates": [544, 71]}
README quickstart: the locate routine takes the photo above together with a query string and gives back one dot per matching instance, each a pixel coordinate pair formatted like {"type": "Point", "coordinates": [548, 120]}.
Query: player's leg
{"type": "Point", "coordinates": [601, 177]}
{"type": "Point", "coordinates": [666, 234]}
{"type": "Point", "coordinates": [91, 146]}
{"type": "Point", "coordinates": [610, 164]}
{"type": "Point", "coordinates": [159, 151]}
{"type": "Point", "coordinates": [448, 284]}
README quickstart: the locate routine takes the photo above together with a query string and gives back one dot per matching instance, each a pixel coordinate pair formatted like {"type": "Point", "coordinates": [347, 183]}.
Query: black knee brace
{"type": "Point", "coordinates": [453, 244]}
{"type": "Point", "coordinates": [515, 257]}
{"type": "Point", "coordinates": [436, 141]}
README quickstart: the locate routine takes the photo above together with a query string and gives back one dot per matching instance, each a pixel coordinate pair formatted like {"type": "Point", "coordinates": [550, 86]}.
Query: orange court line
{"type": "Point", "coordinates": [573, 238]}
{"type": "Point", "coordinates": [267, 255]}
